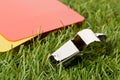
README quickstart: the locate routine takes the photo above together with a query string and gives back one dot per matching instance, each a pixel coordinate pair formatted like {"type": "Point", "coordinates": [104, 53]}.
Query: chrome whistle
{"type": "Point", "coordinates": [79, 43]}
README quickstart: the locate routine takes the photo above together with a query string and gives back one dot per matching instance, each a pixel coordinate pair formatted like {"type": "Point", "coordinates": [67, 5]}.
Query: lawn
{"type": "Point", "coordinates": [31, 61]}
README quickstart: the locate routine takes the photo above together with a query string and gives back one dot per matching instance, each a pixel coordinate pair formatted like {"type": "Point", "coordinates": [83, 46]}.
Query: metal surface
{"type": "Point", "coordinates": [75, 46]}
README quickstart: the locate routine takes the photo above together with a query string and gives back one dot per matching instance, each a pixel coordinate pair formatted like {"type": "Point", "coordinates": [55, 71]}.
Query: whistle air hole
{"type": "Point", "coordinates": [79, 43]}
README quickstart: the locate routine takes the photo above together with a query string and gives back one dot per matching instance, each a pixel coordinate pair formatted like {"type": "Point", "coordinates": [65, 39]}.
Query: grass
{"type": "Point", "coordinates": [31, 62]}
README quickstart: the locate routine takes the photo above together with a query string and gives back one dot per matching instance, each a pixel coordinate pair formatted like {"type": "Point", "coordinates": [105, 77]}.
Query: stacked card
{"type": "Point", "coordinates": [21, 20]}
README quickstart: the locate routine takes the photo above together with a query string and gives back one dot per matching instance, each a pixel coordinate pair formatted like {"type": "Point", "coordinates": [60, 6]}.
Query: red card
{"type": "Point", "coordinates": [21, 19]}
